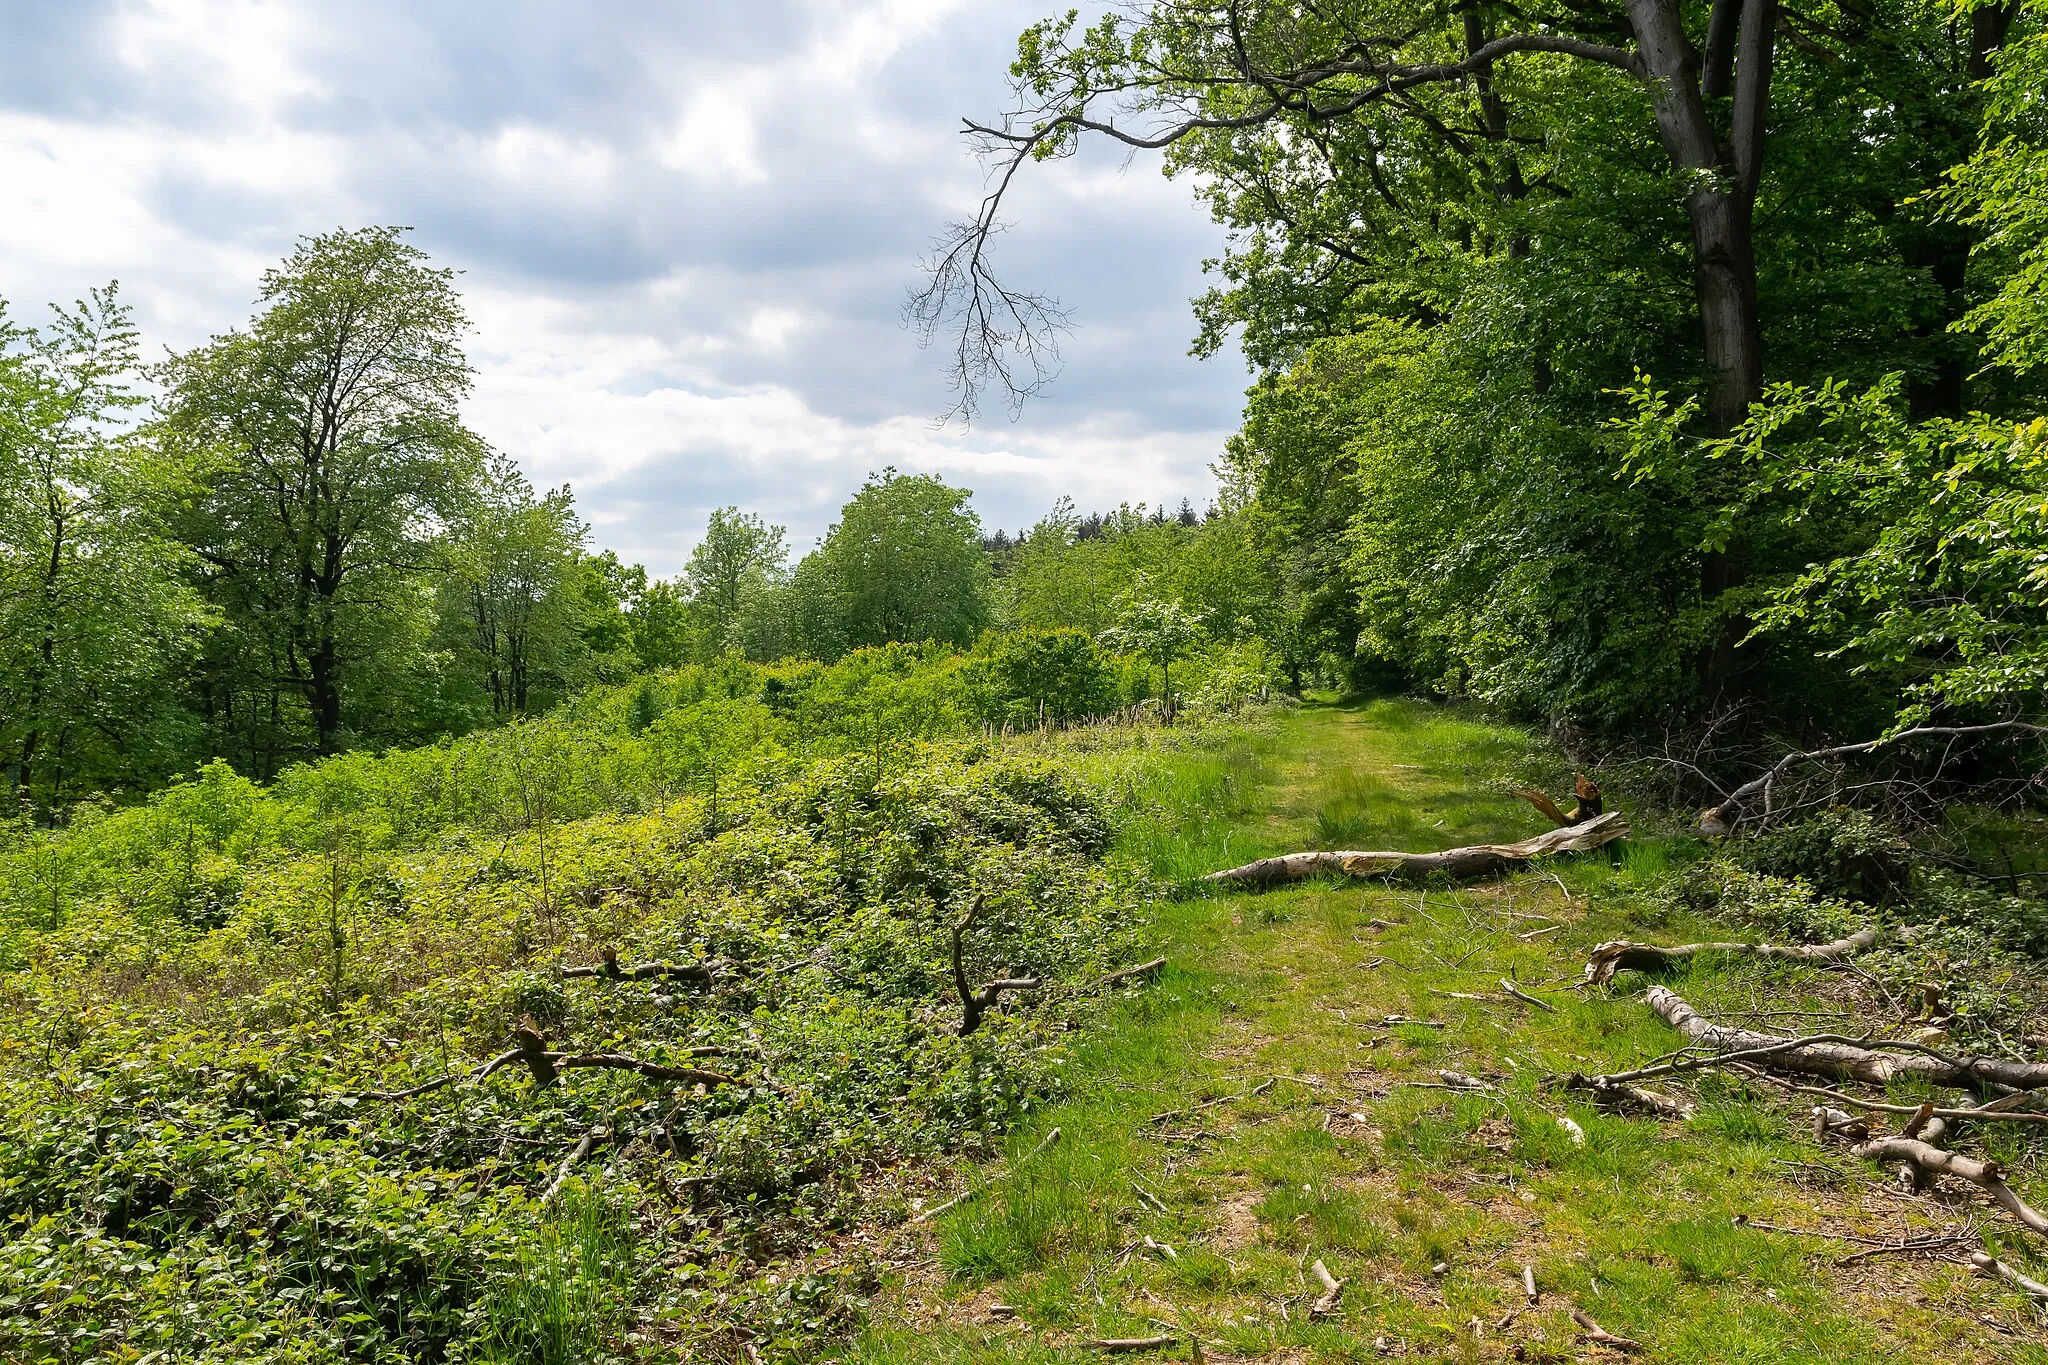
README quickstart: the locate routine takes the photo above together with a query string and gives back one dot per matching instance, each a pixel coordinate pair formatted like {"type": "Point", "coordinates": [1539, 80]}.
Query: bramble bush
{"type": "Point", "coordinates": [213, 999]}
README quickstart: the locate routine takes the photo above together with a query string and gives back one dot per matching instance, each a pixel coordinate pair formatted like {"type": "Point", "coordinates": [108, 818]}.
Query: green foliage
{"type": "Point", "coordinates": [333, 443]}
{"type": "Point", "coordinates": [95, 604]}
{"type": "Point", "coordinates": [905, 563]}
{"type": "Point", "coordinates": [205, 989]}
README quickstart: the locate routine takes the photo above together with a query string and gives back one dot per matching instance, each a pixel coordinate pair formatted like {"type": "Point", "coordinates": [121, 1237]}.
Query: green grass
{"type": "Point", "coordinates": [1344, 1157]}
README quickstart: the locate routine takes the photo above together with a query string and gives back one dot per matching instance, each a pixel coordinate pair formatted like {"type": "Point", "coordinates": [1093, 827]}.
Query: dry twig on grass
{"type": "Point", "coordinates": [1600, 1335]}
{"type": "Point", "coordinates": [1114, 1344]}
{"type": "Point", "coordinates": [1125, 974]}
{"type": "Point", "coordinates": [1333, 1291]}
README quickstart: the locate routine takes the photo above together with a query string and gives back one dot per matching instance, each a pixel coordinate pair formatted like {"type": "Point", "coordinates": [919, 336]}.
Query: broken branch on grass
{"type": "Point", "coordinates": [1990, 1265]}
{"type": "Point", "coordinates": [1928, 1160]}
{"type": "Point", "coordinates": [1875, 1061]}
{"type": "Point", "coordinates": [1516, 991]}
{"type": "Point", "coordinates": [1620, 955]}
{"type": "Point", "coordinates": [974, 1004]}
{"type": "Point", "coordinates": [546, 1066]}
{"type": "Point", "coordinates": [581, 1150]}
{"type": "Point", "coordinates": [1048, 1140]}
{"type": "Point", "coordinates": [1596, 1333]}
{"type": "Point", "coordinates": [475, 1073]}
{"type": "Point", "coordinates": [1333, 1291]}
{"type": "Point", "coordinates": [1111, 1344]}
{"type": "Point", "coordinates": [1261, 1088]}
{"type": "Point", "coordinates": [1609, 1093]}
{"type": "Point", "coordinates": [1476, 861]}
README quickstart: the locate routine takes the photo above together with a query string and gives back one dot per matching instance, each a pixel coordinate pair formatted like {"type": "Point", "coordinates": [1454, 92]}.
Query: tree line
{"type": "Point", "coordinates": [285, 543]}
{"type": "Point", "coordinates": [1630, 363]}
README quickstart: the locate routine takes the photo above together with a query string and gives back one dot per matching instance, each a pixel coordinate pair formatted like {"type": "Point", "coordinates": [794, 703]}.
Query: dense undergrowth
{"type": "Point", "coordinates": [212, 1001]}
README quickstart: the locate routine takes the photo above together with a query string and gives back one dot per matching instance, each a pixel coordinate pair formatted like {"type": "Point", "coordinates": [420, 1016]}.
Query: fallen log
{"type": "Point", "coordinates": [1876, 1061]}
{"type": "Point", "coordinates": [1929, 1161]}
{"type": "Point", "coordinates": [1625, 955]}
{"type": "Point", "coordinates": [1991, 1265]}
{"type": "Point", "coordinates": [1459, 864]}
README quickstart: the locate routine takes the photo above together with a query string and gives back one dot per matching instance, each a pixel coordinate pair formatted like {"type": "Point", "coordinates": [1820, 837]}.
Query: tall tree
{"type": "Point", "coordinates": [515, 586]}
{"type": "Point", "coordinates": [93, 603]}
{"type": "Point", "coordinates": [738, 555]}
{"type": "Point", "coordinates": [337, 451]}
{"type": "Point", "coordinates": [907, 562]}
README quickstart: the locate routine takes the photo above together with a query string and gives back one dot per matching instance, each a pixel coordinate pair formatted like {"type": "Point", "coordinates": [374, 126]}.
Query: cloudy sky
{"type": "Point", "coordinates": [686, 229]}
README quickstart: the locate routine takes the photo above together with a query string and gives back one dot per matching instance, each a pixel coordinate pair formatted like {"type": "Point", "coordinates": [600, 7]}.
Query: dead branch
{"type": "Point", "coordinates": [581, 1150]}
{"type": "Point", "coordinates": [974, 1004]}
{"type": "Point", "coordinates": [1596, 1333]}
{"type": "Point", "coordinates": [1729, 814]}
{"type": "Point", "coordinates": [1986, 1113]}
{"type": "Point", "coordinates": [1622, 955]}
{"type": "Point", "coordinates": [1875, 1061]}
{"type": "Point", "coordinates": [1583, 788]}
{"type": "Point", "coordinates": [1112, 1344]}
{"type": "Point", "coordinates": [619, 1061]}
{"type": "Point", "coordinates": [1125, 974]}
{"type": "Point", "coordinates": [694, 972]}
{"type": "Point", "coordinates": [1928, 1161]}
{"type": "Point", "coordinates": [1991, 1265]}
{"type": "Point", "coordinates": [1333, 1291]}
{"type": "Point", "coordinates": [1459, 864]}
{"type": "Point", "coordinates": [1516, 991]}
{"type": "Point", "coordinates": [1609, 1093]}
{"type": "Point", "coordinates": [475, 1073]}
{"type": "Point", "coordinates": [972, 1190]}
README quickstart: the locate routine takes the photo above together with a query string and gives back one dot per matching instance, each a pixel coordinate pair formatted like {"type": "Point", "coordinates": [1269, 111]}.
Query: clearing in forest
{"type": "Point", "coordinates": [1266, 1107]}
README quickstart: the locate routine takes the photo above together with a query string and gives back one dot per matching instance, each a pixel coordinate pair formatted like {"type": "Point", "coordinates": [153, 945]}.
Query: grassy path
{"type": "Point", "coordinates": [1307, 1129]}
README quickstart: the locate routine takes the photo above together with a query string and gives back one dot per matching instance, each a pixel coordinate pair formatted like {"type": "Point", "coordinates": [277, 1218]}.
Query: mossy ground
{"type": "Point", "coordinates": [1348, 1157]}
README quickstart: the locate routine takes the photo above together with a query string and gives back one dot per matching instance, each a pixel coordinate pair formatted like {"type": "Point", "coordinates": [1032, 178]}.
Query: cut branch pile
{"type": "Point", "coordinates": [1459, 864]}
{"type": "Point", "coordinates": [1625, 955]}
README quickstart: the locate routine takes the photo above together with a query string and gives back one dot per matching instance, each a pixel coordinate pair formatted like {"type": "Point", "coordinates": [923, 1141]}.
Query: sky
{"type": "Point", "coordinates": [685, 232]}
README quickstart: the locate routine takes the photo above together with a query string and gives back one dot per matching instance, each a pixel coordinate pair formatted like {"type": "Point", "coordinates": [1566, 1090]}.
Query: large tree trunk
{"type": "Point", "coordinates": [1723, 173]}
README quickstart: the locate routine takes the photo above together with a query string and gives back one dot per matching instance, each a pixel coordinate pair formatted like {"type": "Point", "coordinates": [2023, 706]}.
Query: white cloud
{"type": "Point", "coordinates": [685, 234]}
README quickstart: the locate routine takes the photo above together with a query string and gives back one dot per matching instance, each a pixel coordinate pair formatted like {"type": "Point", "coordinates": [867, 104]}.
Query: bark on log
{"type": "Point", "coordinates": [1459, 864]}
{"type": "Point", "coordinates": [1625, 955]}
{"type": "Point", "coordinates": [1843, 1058]}
{"type": "Point", "coordinates": [1928, 1161]}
